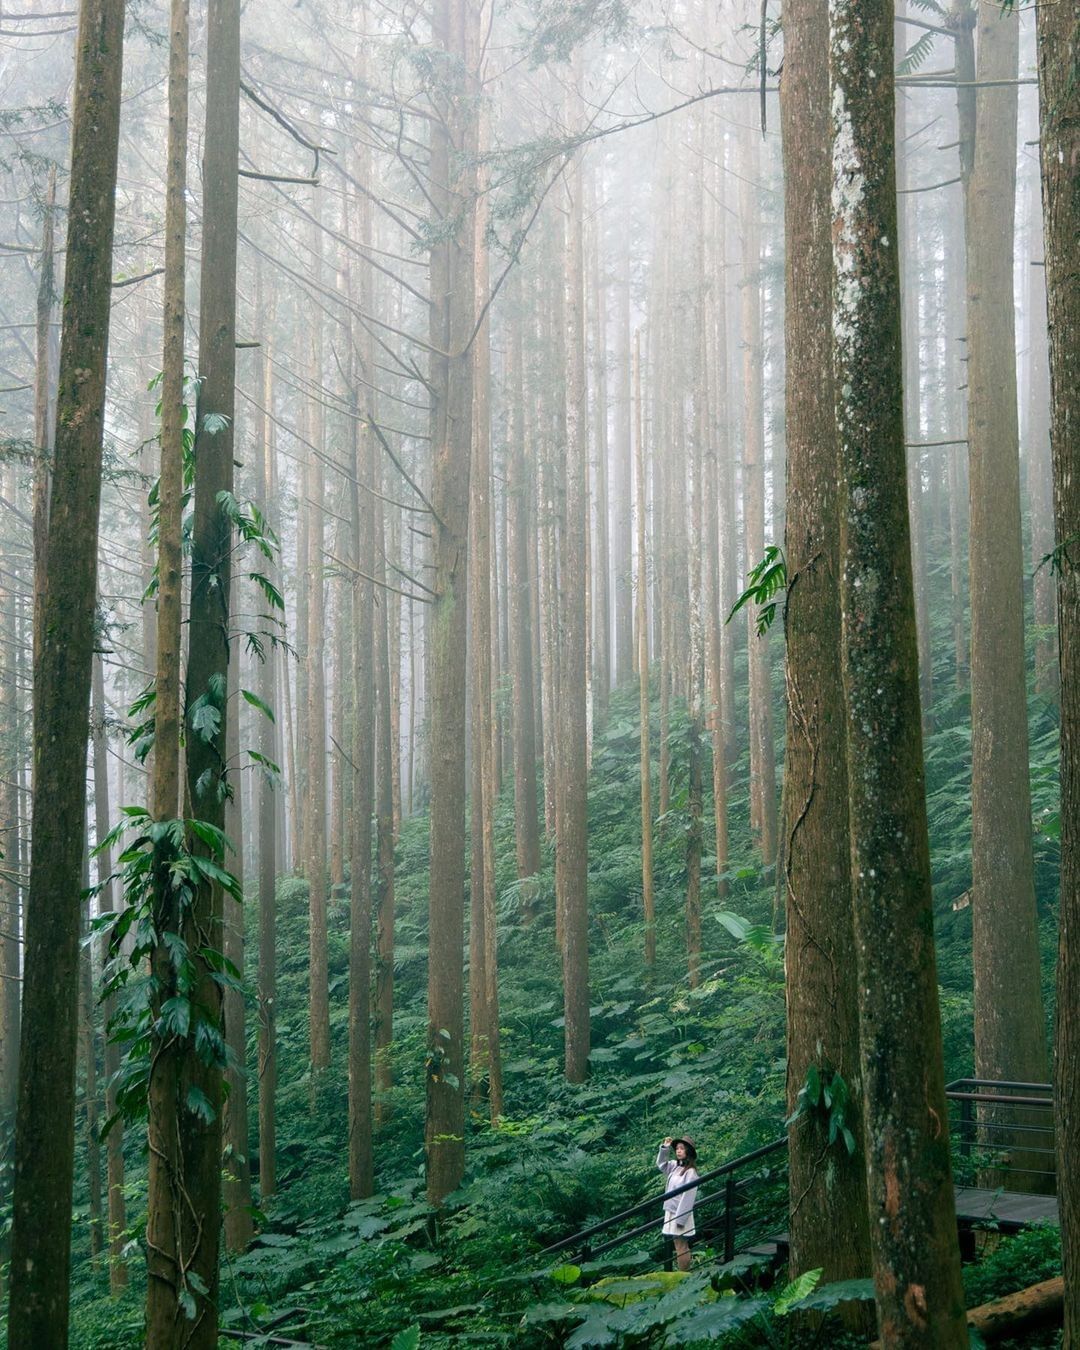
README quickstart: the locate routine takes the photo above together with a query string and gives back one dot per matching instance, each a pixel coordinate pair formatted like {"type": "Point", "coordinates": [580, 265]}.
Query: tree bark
{"type": "Point", "coordinates": [913, 1224]}
{"type": "Point", "coordinates": [1010, 1024]}
{"type": "Point", "coordinates": [1059, 152]}
{"type": "Point", "coordinates": [266, 985]}
{"type": "Point", "coordinates": [762, 752]}
{"type": "Point", "coordinates": [384, 848]}
{"type": "Point", "coordinates": [571, 840]}
{"type": "Point", "coordinates": [622, 478]}
{"type": "Point", "coordinates": [192, 1209]}
{"type": "Point", "coordinates": [519, 508]}
{"type": "Point", "coordinates": [828, 1202]}
{"type": "Point", "coordinates": [642, 603]}
{"type": "Point", "coordinates": [44, 1133]}
{"type": "Point", "coordinates": [114, 1145]}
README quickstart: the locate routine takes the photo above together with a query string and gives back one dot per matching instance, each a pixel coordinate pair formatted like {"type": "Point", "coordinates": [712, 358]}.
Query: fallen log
{"type": "Point", "coordinates": [1041, 1305]}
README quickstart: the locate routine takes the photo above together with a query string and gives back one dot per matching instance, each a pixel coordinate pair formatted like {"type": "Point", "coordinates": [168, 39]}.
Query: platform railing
{"type": "Point", "coordinates": [1003, 1134]}
{"type": "Point", "coordinates": [734, 1194]}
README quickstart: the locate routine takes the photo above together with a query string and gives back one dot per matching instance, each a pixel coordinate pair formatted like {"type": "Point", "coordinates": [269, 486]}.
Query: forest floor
{"type": "Point", "coordinates": [665, 1059]}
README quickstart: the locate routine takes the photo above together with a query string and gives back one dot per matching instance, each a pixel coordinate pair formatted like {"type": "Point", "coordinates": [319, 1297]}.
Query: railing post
{"type": "Point", "coordinates": [967, 1127]}
{"type": "Point", "coordinates": [730, 1192]}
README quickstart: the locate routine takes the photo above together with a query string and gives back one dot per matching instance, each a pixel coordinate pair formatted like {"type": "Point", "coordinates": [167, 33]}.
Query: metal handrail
{"type": "Point", "coordinates": [998, 1099]}
{"type": "Point", "coordinates": [724, 1170]}
{"type": "Point", "coordinates": [958, 1083]}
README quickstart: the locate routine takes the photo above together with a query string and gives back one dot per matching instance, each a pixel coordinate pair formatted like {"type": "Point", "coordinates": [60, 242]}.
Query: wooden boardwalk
{"type": "Point", "coordinates": [1010, 1210]}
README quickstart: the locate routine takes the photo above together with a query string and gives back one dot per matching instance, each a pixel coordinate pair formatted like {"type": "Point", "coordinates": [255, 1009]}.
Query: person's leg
{"type": "Point", "coordinates": [682, 1253]}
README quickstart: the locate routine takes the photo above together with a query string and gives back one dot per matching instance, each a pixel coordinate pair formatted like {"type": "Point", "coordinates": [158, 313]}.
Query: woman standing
{"type": "Point", "coordinates": [679, 1209]}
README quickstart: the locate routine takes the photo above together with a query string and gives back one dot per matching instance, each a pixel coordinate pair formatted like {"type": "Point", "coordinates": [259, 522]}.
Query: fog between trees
{"type": "Point", "coordinates": [447, 376]}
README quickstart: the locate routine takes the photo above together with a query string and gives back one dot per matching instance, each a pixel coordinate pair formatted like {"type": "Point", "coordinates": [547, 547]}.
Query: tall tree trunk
{"type": "Point", "coordinates": [1010, 1024]}
{"type": "Point", "coordinates": [911, 340]}
{"type": "Point", "coordinates": [164, 1255]}
{"type": "Point", "coordinates": [236, 1166]}
{"type": "Point", "coordinates": [44, 1132]}
{"type": "Point", "coordinates": [1037, 450]}
{"type": "Point", "coordinates": [90, 1086]}
{"type": "Point", "coordinates": [10, 820]}
{"type": "Point", "coordinates": [384, 848]}
{"type": "Point", "coordinates": [361, 1158]}
{"type": "Point", "coordinates": [453, 317]}
{"type": "Point", "coordinates": [571, 846]}
{"type": "Point", "coordinates": [762, 753]}
{"type": "Point", "coordinates": [601, 622]}
{"type": "Point", "coordinates": [519, 503]}
{"type": "Point", "coordinates": [266, 984]}
{"type": "Point", "coordinates": [642, 624]}
{"type": "Point", "coordinates": [483, 980]}
{"type": "Point", "coordinates": [195, 1184]}
{"type": "Point", "coordinates": [914, 1248]}
{"type": "Point", "coordinates": [44, 431]}
{"type": "Point", "coordinates": [828, 1221]}
{"type": "Point", "coordinates": [1059, 152]}
{"type": "Point", "coordinates": [315, 795]}
{"type": "Point", "coordinates": [623, 477]}
{"type": "Point", "coordinates": [114, 1145]}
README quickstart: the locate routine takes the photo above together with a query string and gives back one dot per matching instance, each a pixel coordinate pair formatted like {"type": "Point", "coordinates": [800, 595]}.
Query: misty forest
{"type": "Point", "coordinates": [539, 673]}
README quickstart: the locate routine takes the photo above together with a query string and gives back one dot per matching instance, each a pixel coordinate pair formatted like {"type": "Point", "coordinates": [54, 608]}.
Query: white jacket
{"type": "Point", "coordinates": [679, 1210]}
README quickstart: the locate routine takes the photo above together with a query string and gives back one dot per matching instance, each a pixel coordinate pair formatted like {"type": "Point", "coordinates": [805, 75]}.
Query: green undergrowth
{"type": "Point", "coordinates": [665, 1059]}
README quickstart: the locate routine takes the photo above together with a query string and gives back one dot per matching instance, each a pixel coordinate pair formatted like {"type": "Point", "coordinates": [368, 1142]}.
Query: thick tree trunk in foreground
{"type": "Point", "coordinates": [828, 1221]}
{"type": "Point", "coordinates": [195, 1185]}
{"type": "Point", "coordinates": [44, 1133]}
{"type": "Point", "coordinates": [163, 1255]}
{"type": "Point", "coordinates": [1010, 1024]}
{"type": "Point", "coordinates": [912, 1220]}
{"type": "Point", "coordinates": [452, 322]}
{"type": "Point", "coordinates": [1059, 150]}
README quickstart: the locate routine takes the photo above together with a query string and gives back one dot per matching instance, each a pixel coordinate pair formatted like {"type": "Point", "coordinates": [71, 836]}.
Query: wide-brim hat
{"type": "Point", "coordinates": [686, 1139]}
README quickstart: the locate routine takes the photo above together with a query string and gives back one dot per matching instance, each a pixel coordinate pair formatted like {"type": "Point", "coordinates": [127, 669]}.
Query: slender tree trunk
{"type": "Point", "coordinates": [44, 1133]}
{"type": "Point", "coordinates": [1010, 1025]}
{"type": "Point", "coordinates": [164, 1254]}
{"type": "Point", "coordinates": [90, 1085]}
{"type": "Point", "coordinates": [384, 851]}
{"type": "Point", "coordinates": [361, 1159]}
{"type": "Point", "coordinates": [762, 753]}
{"type": "Point", "coordinates": [236, 1167]}
{"type": "Point", "coordinates": [10, 889]}
{"type": "Point", "coordinates": [914, 1248]}
{"type": "Point", "coordinates": [43, 428]}
{"type": "Point", "coordinates": [519, 503]}
{"type": "Point", "coordinates": [571, 847]}
{"type": "Point", "coordinates": [642, 623]}
{"type": "Point", "coordinates": [601, 623]}
{"type": "Point", "coordinates": [623, 477]}
{"type": "Point", "coordinates": [114, 1146]}
{"type": "Point", "coordinates": [195, 1185]}
{"type": "Point", "coordinates": [828, 1223]}
{"type": "Point", "coordinates": [1059, 152]}
{"type": "Point", "coordinates": [1039, 468]}
{"type": "Point", "coordinates": [315, 795]}
{"type": "Point", "coordinates": [266, 986]}
{"type": "Point", "coordinates": [483, 979]}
